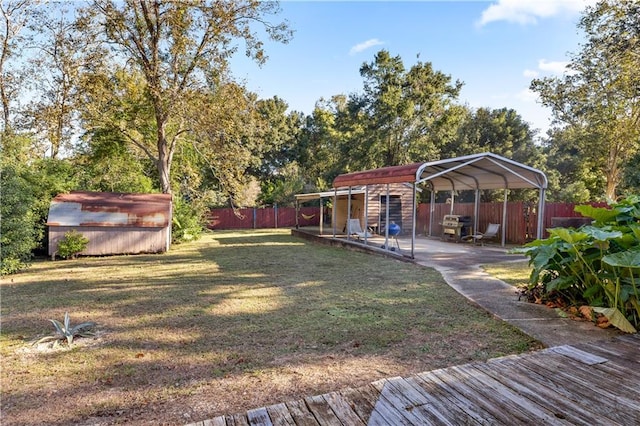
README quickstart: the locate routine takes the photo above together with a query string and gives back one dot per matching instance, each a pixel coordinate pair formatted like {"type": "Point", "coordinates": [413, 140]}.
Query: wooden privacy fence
{"type": "Point", "coordinates": [521, 221]}
{"type": "Point", "coordinates": [256, 218]}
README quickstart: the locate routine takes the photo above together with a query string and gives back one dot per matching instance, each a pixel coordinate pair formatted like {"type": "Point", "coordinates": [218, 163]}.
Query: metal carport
{"type": "Point", "coordinates": [472, 172]}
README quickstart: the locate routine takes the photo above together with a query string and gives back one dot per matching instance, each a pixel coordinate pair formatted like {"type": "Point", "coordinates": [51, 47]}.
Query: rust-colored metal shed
{"type": "Point", "coordinates": [114, 223]}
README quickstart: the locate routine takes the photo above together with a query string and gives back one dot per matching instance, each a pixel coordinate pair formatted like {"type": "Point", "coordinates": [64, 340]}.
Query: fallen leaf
{"type": "Point", "coordinates": [586, 312]}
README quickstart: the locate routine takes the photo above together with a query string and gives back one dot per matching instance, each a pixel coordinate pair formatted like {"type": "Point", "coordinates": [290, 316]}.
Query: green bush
{"type": "Point", "coordinates": [187, 221]}
{"type": "Point", "coordinates": [72, 244]}
{"type": "Point", "coordinates": [597, 265]}
{"type": "Point", "coordinates": [18, 236]}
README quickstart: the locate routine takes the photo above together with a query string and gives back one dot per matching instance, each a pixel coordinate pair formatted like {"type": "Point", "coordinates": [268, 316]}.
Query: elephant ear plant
{"type": "Point", "coordinates": [65, 331]}
{"type": "Point", "coordinates": [597, 265]}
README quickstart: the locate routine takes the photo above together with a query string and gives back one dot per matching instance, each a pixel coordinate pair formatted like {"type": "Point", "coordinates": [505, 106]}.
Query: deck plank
{"type": "Point", "coordinates": [259, 417]}
{"type": "Point", "coordinates": [363, 404]}
{"type": "Point", "coordinates": [582, 384]}
{"type": "Point", "coordinates": [382, 408]}
{"type": "Point", "coordinates": [468, 411]}
{"type": "Point", "coordinates": [322, 411]}
{"type": "Point", "coordinates": [342, 409]}
{"type": "Point", "coordinates": [536, 391]}
{"type": "Point", "coordinates": [503, 397]}
{"type": "Point", "coordinates": [280, 416]}
{"type": "Point", "coordinates": [568, 381]}
{"type": "Point", "coordinates": [420, 403]}
{"type": "Point", "coordinates": [301, 414]}
{"type": "Point", "coordinates": [239, 419]}
{"type": "Point", "coordinates": [579, 355]}
{"type": "Point", "coordinates": [463, 390]}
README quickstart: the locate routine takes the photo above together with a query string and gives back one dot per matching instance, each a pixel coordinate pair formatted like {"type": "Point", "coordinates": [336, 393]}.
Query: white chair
{"type": "Point", "coordinates": [354, 228]}
{"type": "Point", "coordinates": [491, 232]}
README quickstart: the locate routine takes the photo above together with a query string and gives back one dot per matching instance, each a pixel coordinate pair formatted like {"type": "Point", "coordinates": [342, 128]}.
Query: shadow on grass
{"type": "Point", "coordinates": [233, 306]}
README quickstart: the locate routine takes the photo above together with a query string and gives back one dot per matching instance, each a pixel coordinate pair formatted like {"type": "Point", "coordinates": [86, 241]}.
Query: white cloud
{"type": "Point", "coordinates": [527, 95]}
{"type": "Point", "coordinates": [531, 73]}
{"type": "Point", "coordinates": [365, 45]}
{"type": "Point", "coordinates": [529, 11]}
{"type": "Point", "coordinates": [554, 67]}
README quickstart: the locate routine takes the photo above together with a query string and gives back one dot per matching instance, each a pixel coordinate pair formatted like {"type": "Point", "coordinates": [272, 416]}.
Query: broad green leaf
{"type": "Point", "coordinates": [560, 283]}
{"type": "Point", "coordinates": [616, 318]}
{"type": "Point", "coordinates": [624, 259]}
{"type": "Point", "coordinates": [600, 234]}
{"type": "Point", "coordinates": [600, 214]}
{"type": "Point", "coordinates": [569, 235]}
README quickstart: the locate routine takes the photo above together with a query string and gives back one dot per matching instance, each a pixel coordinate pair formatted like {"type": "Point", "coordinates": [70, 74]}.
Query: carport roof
{"type": "Point", "coordinates": [476, 171]}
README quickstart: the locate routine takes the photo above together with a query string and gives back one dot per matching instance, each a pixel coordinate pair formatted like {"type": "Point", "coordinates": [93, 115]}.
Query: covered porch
{"type": "Point", "coordinates": [471, 173]}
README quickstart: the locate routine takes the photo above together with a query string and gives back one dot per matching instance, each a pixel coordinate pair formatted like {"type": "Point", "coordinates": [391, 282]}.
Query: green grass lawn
{"type": "Point", "coordinates": [514, 273]}
{"type": "Point", "coordinates": [236, 320]}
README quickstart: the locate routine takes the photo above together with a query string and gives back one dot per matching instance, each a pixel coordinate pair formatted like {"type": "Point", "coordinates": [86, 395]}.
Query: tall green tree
{"type": "Point", "coordinates": [405, 110]}
{"type": "Point", "coordinates": [180, 48]}
{"type": "Point", "coordinates": [599, 95]}
{"type": "Point", "coordinates": [501, 131]}
{"type": "Point", "coordinates": [14, 17]}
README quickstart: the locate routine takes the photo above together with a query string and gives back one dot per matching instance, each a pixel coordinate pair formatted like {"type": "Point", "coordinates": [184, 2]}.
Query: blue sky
{"type": "Point", "coordinates": [494, 47]}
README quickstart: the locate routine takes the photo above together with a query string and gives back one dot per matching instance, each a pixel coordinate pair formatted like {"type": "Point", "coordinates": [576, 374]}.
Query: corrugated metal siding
{"type": "Point", "coordinates": [110, 209]}
{"type": "Point", "coordinates": [114, 223]}
{"type": "Point", "coordinates": [113, 240]}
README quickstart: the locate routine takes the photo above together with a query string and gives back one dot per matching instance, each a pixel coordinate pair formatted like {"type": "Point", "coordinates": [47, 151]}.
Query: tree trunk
{"type": "Point", "coordinates": [164, 158]}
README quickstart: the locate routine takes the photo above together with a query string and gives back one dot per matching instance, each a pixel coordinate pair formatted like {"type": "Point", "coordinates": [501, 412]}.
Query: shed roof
{"type": "Point", "coordinates": [327, 194]}
{"type": "Point", "coordinates": [81, 208]}
{"type": "Point", "coordinates": [476, 171]}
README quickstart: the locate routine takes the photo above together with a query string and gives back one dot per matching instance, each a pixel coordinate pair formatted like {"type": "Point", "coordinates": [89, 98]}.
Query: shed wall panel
{"type": "Point", "coordinates": [375, 208]}
{"type": "Point", "coordinates": [113, 240]}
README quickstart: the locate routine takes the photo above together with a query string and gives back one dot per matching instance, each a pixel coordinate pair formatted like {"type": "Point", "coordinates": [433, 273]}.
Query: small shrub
{"type": "Point", "coordinates": [72, 244]}
{"type": "Point", "coordinates": [187, 221]}
{"type": "Point", "coordinates": [64, 331]}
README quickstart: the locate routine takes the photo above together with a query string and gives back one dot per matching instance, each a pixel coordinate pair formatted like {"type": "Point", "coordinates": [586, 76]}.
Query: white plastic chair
{"type": "Point", "coordinates": [491, 232]}
{"type": "Point", "coordinates": [354, 228]}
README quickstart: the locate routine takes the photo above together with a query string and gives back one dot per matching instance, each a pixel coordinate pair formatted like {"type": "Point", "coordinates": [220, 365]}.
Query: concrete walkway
{"type": "Point", "coordinates": [460, 265]}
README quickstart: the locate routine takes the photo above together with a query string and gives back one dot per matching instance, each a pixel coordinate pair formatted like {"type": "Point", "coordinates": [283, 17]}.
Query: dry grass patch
{"type": "Point", "coordinates": [234, 321]}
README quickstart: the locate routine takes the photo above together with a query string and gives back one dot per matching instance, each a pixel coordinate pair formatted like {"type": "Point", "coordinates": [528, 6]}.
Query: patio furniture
{"type": "Point", "coordinates": [354, 228]}
{"type": "Point", "coordinates": [491, 232]}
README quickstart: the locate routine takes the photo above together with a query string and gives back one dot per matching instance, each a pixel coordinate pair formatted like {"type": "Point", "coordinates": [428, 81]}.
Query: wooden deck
{"type": "Point", "coordinates": [586, 384]}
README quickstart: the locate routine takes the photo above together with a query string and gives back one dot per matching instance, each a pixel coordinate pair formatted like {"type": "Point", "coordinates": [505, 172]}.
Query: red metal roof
{"type": "Point", "coordinates": [475, 171]}
{"type": "Point", "coordinates": [81, 208]}
{"type": "Point", "coordinates": [391, 174]}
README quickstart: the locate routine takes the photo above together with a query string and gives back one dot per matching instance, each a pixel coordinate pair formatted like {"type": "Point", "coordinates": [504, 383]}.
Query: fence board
{"type": "Point", "coordinates": [521, 224]}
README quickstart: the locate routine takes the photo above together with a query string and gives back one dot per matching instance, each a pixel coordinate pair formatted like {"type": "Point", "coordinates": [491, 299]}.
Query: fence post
{"type": "Point", "coordinates": [275, 208]}
{"type": "Point", "coordinates": [255, 218]}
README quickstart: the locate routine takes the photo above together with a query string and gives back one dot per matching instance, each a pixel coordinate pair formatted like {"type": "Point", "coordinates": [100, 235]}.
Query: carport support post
{"type": "Point", "coordinates": [348, 214]}
{"type": "Point", "coordinates": [413, 231]}
{"type": "Point", "coordinates": [321, 215]}
{"type": "Point", "coordinates": [333, 211]}
{"type": "Point", "coordinates": [366, 213]}
{"type": "Point", "coordinates": [386, 223]}
{"type": "Point", "coordinates": [476, 212]}
{"type": "Point", "coordinates": [432, 210]}
{"type": "Point", "coordinates": [504, 216]}
{"type": "Point", "coordinates": [540, 214]}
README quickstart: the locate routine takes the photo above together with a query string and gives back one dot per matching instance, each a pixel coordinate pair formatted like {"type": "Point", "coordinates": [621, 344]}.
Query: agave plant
{"type": "Point", "coordinates": [65, 331]}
